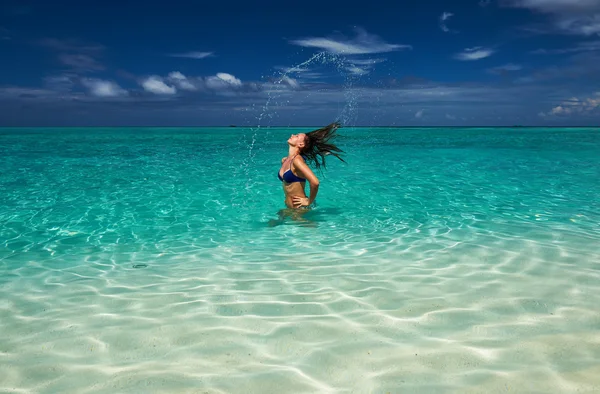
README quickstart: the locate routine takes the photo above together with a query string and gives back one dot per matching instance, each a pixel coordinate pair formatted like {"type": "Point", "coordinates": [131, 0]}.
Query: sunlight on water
{"type": "Point", "coordinates": [143, 260]}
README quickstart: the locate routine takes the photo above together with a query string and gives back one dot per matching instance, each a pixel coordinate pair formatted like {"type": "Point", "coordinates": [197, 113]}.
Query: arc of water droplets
{"type": "Point", "coordinates": [347, 114]}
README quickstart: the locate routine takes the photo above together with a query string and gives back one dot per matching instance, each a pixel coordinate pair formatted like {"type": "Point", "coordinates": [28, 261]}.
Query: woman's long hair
{"type": "Point", "coordinates": [318, 145]}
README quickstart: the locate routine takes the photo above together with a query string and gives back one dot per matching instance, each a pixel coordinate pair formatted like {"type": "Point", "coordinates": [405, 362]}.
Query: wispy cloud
{"type": "Point", "coordinates": [357, 70]}
{"type": "Point", "coordinates": [70, 45]}
{"type": "Point", "coordinates": [300, 72]}
{"type": "Point", "coordinates": [102, 88]}
{"type": "Point", "coordinates": [485, 3]}
{"type": "Point", "coordinates": [565, 6]}
{"type": "Point", "coordinates": [77, 56]}
{"type": "Point", "coordinates": [311, 75]}
{"type": "Point", "coordinates": [579, 67]}
{"type": "Point", "coordinates": [17, 92]}
{"type": "Point", "coordinates": [366, 62]}
{"type": "Point", "coordinates": [580, 17]}
{"type": "Point", "coordinates": [507, 68]}
{"type": "Point", "coordinates": [362, 66]}
{"type": "Point", "coordinates": [475, 53]}
{"type": "Point", "coordinates": [353, 66]}
{"type": "Point", "coordinates": [194, 55]}
{"type": "Point", "coordinates": [291, 82]}
{"type": "Point", "coordinates": [155, 84]}
{"type": "Point", "coordinates": [575, 106]}
{"type": "Point", "coordinates": [294, 69]}
{"type": "Point", "coordinates": [587, 25]}
{"type": "Point", "coordinates": [363, 43]}
{"type": "Point", "coordinates": [443, 18]}
{"type": "Point", "coordinates": [60, 83]}
{"type": "Point", "coordinates": [586, 46]}
{"type": "Point", "coordinates": [419, 114]}
{"type": "Point", "coordinates": [80, 62]}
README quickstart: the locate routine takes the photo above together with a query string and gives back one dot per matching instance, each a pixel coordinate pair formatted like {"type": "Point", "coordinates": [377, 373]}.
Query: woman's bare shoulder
{"type": "Point", "coordinates": [299, 158]}
{"type": "Point", "coordinates": [300, 163]}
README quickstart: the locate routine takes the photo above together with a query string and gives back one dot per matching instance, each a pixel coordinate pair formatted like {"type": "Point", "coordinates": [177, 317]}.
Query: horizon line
{"type": "Point", "coordinates": [304, 126]}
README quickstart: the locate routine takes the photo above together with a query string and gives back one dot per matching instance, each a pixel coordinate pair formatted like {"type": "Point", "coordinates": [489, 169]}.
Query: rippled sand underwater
{"type": "Point", "coordinates": [436, 261]}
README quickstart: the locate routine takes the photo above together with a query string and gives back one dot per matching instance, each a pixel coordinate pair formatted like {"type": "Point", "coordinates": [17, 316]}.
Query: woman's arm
{"type": "Point", "coordinates": [313, 181]}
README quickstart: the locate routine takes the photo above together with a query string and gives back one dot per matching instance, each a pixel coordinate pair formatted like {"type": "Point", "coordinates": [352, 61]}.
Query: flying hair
{"type": "Point", "coordinates": [318, 144]}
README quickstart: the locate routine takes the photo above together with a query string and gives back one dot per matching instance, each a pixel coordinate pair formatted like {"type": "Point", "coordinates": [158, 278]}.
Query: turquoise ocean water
{"type": "Point", "coordinates": [437, 260]}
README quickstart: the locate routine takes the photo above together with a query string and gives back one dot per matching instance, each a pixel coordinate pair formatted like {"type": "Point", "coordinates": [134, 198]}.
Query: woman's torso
{"type": "Point", "coordinates": [292, 181]}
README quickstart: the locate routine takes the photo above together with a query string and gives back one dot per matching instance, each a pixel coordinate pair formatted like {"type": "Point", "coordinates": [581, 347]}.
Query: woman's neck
{"type": "Point", "coordinates": [293, 151]}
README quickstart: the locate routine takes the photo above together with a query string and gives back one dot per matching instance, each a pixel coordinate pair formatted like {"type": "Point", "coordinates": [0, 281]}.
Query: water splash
{"type": "Point", "coordinates": [278, 90]}
{"type": "Point", "coordinates": [266, 109]}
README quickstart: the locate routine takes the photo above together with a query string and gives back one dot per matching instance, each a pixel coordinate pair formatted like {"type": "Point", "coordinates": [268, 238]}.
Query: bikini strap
{"type": "Point", "coordinates": [291, 161]}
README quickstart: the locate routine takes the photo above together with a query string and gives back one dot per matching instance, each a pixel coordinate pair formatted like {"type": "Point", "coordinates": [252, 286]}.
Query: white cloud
{"type": "Point", "coordinates": [564, 6]}
{"type": "Point", "coordinates": [301, 72]}
{"type": "Point", "coordinates": [282, 83]}
{"type": "Point", "coordinates": [223, 81]}
{"type": "Point", "coordinates": [312, 75]}
{"type": "Point", "coordinates": [581, 17]}
{"type": "Point", "coordinates": [357, 70]}
{"type": "Point", "coordinates": [181, 81]}
{"type": "Point", "coordinates": [155, 84]}
{"type": "Point", "coordinates": [76, 55]}
{"type": "Point", "coordinates": [586, 46]}
{"type": "Point", "coordinates": [485, 3]}
{"type": "Point", "coordinates": [585, 25]}
{"type": "Point", "coordinates": [363, 43]}
{"type": "Point", "coordinates": [15, 91]}
{"type": "Point", "coordinates": [176, 75]}
{"type": "Point", "coordinates": [294, 69]}
{"type": "Point", "coordinates": [510, 67]}
{"type": "Point", "coordinates": [362, 66]}
{"type": "Point", "coordinates": [443, 18]}
{"type": "Point", "coordinates": [575, 105]}
{"type": "Point", "coordinates": [194, 55]}
{"type": "Point", "coordinates": [366, 62]}
{"type": "Point", "coordinates": [60, 83]}
{"type": "Point", "coordinates": [175, 80]}
{"type": "Point", "coordinates": [80, 62]}
{"type": "Point", "coordinates": [446, 15]}
{"type": "Point", "coordinates": [353, 66]}
{"type": "Point", "coordinates": [71, 46]}
{"type": "Point", "coordinates": [419, 114]}
{"type": "Point", "coordinates": [101, 88]}
{"type": "Point", "coordinates": [450, 117]}
{"type": "Point", "coordinates": [402, 100]}
{"type": "Point", "coordinates": [476, 53]}
{"type": "Point", "coordinates": [291, 82]}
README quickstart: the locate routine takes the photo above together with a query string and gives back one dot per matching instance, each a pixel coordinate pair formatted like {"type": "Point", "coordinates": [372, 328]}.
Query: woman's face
{"type": "Point", "coordinates": [297, 140]}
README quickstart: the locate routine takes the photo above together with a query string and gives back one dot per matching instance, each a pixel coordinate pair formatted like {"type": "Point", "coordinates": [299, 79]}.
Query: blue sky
{"type": "Point", "coordinates": [372, 63]}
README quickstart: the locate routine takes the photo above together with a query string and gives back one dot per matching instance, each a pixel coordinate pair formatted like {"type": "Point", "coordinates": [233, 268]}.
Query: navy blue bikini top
{"type": "Point", "coordinates": [289, 176]}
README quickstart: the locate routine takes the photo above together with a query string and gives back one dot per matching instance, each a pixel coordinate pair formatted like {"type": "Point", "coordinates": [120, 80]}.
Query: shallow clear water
{"type": "Point", "coordinates": [436, 260]}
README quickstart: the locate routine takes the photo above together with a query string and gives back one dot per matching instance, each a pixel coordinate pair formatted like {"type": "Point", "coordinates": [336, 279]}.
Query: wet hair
{"type": "Point", "coordinates": [318, 144]}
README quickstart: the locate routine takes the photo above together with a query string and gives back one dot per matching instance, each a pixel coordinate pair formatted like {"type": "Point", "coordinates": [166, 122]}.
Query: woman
{"type": "Point", "coordinates": [294, 172]}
